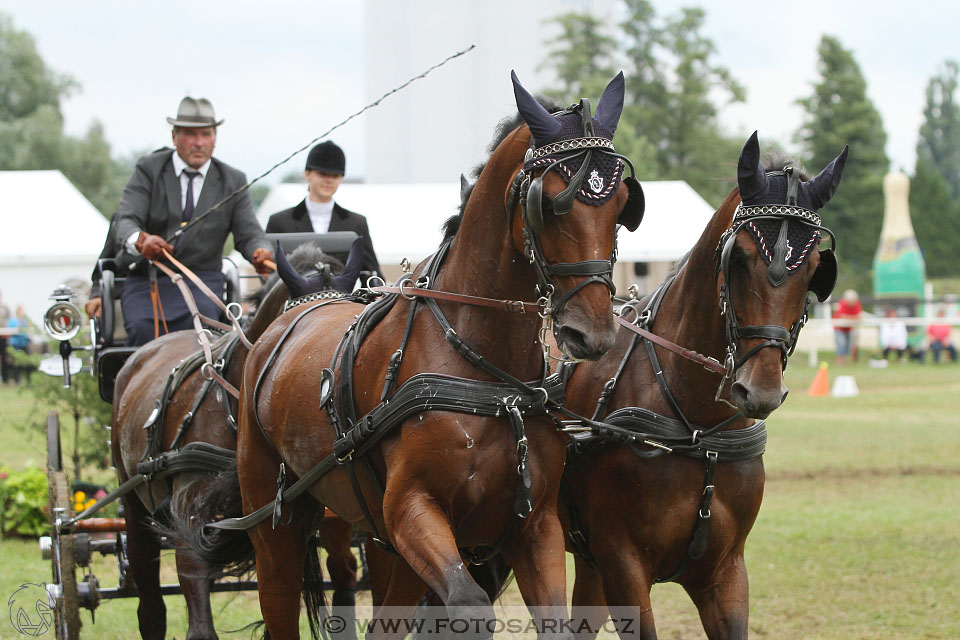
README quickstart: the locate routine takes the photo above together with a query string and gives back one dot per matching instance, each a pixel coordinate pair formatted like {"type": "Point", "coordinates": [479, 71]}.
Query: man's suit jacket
{"type": "Point", "coordinates": [296, 220]}
{"type": "Point", "coordinates": [151, 203]}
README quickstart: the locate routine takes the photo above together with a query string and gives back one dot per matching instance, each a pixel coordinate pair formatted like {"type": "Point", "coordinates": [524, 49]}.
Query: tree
{"type": "Point", "coordinates": [939, 143]}
{"type": "Point", "coordinates": [936, 220]}
{"type": "Point", "coordinates": [669, 126]}
{"type": "Point", "coordinates": [31, 124]}
{"type": "Point", "coordinates": [838, 112]}
{"type": "Point", "coordinates": [580, 56]}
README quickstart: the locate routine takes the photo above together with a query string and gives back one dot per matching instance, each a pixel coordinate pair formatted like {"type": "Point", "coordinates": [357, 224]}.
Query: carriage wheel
{"type": "Point", "coordinates": [67, 612]}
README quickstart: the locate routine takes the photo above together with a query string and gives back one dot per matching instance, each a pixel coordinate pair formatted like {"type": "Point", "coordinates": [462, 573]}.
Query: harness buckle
{"type": "Point", "coordinates": [514, 306]}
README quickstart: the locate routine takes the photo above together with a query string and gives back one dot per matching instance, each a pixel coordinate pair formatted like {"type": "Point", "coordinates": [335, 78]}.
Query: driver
{"type": "Point", "coordinates": [166, 189]}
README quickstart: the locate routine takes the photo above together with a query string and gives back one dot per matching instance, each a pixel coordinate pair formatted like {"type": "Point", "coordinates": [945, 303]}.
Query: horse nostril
{"type": "Point", "coordinates": [740, 394]}
{"type": "Point", "coordinates": [786, 392]}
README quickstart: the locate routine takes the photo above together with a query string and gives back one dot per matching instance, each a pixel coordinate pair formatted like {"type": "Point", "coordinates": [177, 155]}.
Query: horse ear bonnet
{"type": "Point", "coordinates": [786, 244]}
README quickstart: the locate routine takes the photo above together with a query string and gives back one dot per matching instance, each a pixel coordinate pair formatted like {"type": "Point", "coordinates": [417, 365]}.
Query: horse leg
{"type": "Point", "coordinates": [281, 552]}
{"type": "Point", "coordinates": [423, 535]}
{"type": "Point", "coordinates": [402, 591]}
{"type": "Point", "coordinates": [589, 605]}
{"type": "Point", "coordinates": [626, 588]}
{"type": "Point", "coordinates": [336, 536]}
{"type": "Point", "coordinates": [723, 599]}
{"type": "Point", "coordinates": [196, 591]}
{"type": "Point", "coordinates": [143, 550]}
{"type": "Point", "coordinates": [536, 553]}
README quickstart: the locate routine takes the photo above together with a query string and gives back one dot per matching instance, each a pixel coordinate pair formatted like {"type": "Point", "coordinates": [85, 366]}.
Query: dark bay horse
{"type": "Point", "coordinates": [641, 515]}
{"type": "Point", "coordinates": [418, 421]}
{"type": "Point", "coordinates": [196, 418]}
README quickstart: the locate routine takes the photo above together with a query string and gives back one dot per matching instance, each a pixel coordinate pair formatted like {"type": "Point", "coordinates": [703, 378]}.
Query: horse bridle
{"type": "Point", "coordinates": [821, 283]}
{"type": "Point", "coordinates": [528, 190]}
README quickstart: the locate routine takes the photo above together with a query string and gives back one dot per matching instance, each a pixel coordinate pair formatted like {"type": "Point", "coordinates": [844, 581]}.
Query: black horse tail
{"type": "Point", "coordinates": [226, 552]}
{"type": "Point", "coordinates": [493, 576]}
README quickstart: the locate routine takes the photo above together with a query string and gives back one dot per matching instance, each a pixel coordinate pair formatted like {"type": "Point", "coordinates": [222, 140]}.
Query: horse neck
{"type": "Point", "coordinates": [690, 317]}
{"type": "Point", "coordinates": [483, 261]}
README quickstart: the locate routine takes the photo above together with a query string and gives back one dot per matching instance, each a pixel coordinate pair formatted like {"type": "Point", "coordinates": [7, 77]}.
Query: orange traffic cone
{"type": "Point", "coordinates": [821, 382]}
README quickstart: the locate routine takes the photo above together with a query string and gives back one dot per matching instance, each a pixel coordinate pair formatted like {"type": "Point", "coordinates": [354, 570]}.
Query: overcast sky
{"type": "Point", "coordinates": [282, 72]}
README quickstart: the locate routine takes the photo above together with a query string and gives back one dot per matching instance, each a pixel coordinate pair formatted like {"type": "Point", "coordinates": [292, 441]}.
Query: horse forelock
{"type": "Point", "coordinates": [303, 259]}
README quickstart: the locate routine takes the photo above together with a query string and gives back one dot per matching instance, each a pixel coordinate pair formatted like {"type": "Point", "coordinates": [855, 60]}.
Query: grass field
{"type": "Point", "coordinates": [858, 536]}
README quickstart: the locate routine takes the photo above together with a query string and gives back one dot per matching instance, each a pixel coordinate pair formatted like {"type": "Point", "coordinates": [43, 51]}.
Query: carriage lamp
{"type": "Point", "coordinates": [62, 320]}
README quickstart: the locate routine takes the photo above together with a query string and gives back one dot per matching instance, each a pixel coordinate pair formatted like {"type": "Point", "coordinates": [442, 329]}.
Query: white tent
{"type": "Point", "coordinates": [405, 219]}
{"type": "Point", "coordinates": [51, 234]}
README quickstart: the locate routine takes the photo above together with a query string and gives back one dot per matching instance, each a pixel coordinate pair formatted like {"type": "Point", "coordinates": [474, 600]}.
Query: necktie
{"type": "Point", "coordinates": [188, 207]}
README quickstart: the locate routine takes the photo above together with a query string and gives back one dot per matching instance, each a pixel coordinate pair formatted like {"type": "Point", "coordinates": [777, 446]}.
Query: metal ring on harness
{"type": "Point", "coordinates": [375, 279]}
{"type": "Point", "coordinates": [200, 333]}
{"type": "Point", "coordinates": [404, 295]}
{"type": "Point", "coordinates": [626, 308]}
{"type": "Point", "coordinates": [207, 371]}
{"type": "Point", "coordinates": [238, 314]}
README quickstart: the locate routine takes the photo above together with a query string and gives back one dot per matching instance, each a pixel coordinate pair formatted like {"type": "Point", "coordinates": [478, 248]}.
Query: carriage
{"type": "Point", "coordinates": [75, 539]}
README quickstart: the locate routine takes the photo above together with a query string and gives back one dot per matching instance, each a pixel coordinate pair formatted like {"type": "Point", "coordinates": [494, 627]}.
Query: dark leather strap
{"type": "Point", "coordinates": [513, 306]}
{"type": "Point", "coordinates": [707, 363]}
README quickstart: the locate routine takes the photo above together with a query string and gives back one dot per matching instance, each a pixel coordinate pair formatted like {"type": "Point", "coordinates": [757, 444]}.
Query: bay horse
{"type": "Point", "coordinates": [155, 414]}
{"type": "Point", "coordinates": [670, 490]}
{"type": "Point", "coordinates": [413, 417]}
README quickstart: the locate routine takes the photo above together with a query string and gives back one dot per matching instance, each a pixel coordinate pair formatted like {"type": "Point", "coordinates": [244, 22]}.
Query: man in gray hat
{"type": "Point", "coordinates": [167, 189]}
{"type": "Point", "coordinates": [318, 213]}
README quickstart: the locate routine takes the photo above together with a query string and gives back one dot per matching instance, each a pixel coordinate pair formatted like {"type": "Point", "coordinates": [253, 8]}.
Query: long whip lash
{"type": "Point", "coordinates": [326, 133]}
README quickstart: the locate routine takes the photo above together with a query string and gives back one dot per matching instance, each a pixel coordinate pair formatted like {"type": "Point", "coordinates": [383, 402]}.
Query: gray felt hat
{"type": "Point", "coordinates": [195, 112]}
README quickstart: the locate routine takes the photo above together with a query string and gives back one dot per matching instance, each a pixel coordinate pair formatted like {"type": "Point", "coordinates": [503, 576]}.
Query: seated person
{"type": "Point", "coordinates": [318, 213]}
{"type": "Point", "coordinates": [893, 335]}
{"type": "Point", "coordinates": [939, 335]}
{"type": "Point", "coordinates": [161, 196]}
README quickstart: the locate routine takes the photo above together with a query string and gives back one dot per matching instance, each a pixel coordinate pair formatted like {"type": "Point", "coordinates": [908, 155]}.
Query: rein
{"type": "Point", "coordinates": [512, 306]}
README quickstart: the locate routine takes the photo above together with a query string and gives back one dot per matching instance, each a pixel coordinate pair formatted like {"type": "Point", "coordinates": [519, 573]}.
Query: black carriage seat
{"type": "Point", "coordinates": [110, 340]}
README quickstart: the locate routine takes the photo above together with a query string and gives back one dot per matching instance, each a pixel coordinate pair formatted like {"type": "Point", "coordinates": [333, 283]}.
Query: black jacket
{"type": "Point", "coordinates": [296, 220]}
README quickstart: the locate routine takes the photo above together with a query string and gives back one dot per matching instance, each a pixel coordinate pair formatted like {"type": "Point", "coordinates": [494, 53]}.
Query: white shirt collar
{"type": "Point", "coordinates": [179, 165]}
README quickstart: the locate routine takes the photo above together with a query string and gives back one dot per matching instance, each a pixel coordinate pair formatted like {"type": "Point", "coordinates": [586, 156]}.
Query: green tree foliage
{"type": "Point", "coordinates": [669, 126]}
{"type": "Point", "coordinates": [939, 143]}
{"type": "Point", "coordinates": [936, 220]}
{"type": "Point", "coordinates": [838, 113]}
{"type": "Point", "coordinates": [31, 124]}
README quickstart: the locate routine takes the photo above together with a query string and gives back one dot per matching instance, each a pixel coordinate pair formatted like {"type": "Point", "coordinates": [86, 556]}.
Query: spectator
{"type": "Point", "coordinates": [20, 341]}
{"type": "Point", "coordinates": [939, 335]}
{"type": "Point", "coordinates": [847, 309]}
{"type": "Point", "coordinates": [893, 335]}
{"type": "Point", "coordinates": [4, 362]}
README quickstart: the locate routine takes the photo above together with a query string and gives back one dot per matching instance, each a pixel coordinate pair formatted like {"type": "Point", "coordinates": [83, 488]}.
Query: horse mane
{"type": "Point", "coordinates": [303, 259]}
{"type": "Point", "coordinates": [504, 128]}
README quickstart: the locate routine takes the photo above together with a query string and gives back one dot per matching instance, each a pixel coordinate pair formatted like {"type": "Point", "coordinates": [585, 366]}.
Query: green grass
{"type": "Point", "coordinates": [858, 535]}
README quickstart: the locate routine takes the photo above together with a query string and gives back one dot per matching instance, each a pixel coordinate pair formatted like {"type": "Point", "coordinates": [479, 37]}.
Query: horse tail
{"type": "Point", "coordinates": [226, 552]}
{"type": "Point", "coordinates": [493, 576]}
{"type": "Point", "coordinates": [314, 600]}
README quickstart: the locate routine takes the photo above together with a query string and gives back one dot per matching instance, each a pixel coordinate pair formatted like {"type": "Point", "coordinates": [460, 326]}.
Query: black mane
{"type": "Point", "coordinates": [504, 128]}
{"type": "Point", "coordinates": [303, 259]}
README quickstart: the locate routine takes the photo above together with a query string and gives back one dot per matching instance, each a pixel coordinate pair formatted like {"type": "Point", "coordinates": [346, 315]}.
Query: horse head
{"type": "Point", "coordinates": [571, 194]}
{"type": "Point", "coordinates": [767, 262]}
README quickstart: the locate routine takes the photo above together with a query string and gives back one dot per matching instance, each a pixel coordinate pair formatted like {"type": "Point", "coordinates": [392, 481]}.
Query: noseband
{"type": "Point", "coordinates": [528, 190]}
{"type": "Point", "coordinates": [772, 335]}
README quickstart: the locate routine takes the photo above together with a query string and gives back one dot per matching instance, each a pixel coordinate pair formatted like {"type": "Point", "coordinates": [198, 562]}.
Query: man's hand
{"type": "Point", "coordinates": [262, 261]}
{"type": "Point", "coordinates": [151, 247]}
{"type": "Point", "coordinates": [93, 307]}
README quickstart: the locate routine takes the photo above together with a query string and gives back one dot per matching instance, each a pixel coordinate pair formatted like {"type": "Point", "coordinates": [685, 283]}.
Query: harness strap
{"type": "Point", "coordinates": [701, 530]}
{"type": "Point", "coordinates": [410, 292]}
{"type": "Point", "coordinates": [706, 362]}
